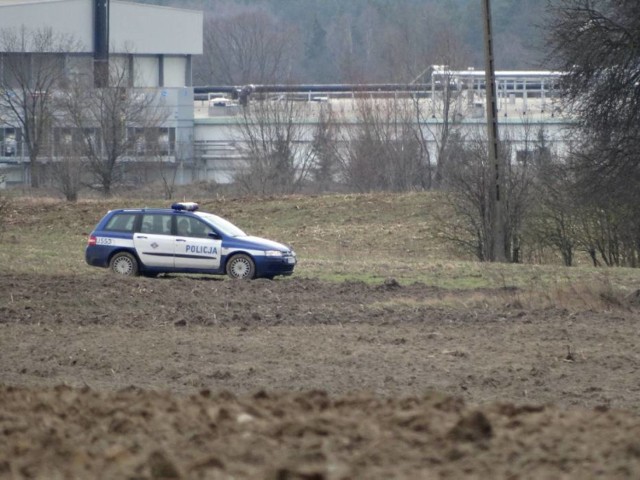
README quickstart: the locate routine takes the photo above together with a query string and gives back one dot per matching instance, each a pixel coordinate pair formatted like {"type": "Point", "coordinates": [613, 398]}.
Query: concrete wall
{"type": "Point", "coordinates": [219, 144]}
{"type": "Point", "coordinates": [156, 42]}
{"type": "Point", "coordinates": [134, 28]}
{"type": "Point", "coordinates": [67, 17]}
{"type": "Point", "coordinates": [148, 29]}
{"type": "Point", "coordinates": [146, 70]}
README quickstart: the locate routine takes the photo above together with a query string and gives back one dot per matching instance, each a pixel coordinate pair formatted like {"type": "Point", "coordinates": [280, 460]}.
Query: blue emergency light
{"type": "Point", "coordinates": [188, 206]}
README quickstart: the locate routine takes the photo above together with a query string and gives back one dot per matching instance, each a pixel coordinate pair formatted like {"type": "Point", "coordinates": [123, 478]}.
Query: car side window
{"type": "Point", "coordinates": [192, 227]}
{"type": "Point", "coordinates": [121, 222]}
{"type": "Point", "coordinates": [156, 224]}
{"type": "Point", "coordinates": [200, 229]}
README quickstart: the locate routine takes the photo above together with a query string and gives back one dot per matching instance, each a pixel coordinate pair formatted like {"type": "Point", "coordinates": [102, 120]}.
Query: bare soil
{"type": "Point", "coordinates": [194, 377]}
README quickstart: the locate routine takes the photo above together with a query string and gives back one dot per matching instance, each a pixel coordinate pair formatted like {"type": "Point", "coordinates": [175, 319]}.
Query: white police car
{"type": "Point", "coordinates": [150, 241]}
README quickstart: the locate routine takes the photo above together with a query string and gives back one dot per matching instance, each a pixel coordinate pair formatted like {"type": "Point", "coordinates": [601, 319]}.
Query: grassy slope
{"type": "Point", "coordinates": [337, 237]}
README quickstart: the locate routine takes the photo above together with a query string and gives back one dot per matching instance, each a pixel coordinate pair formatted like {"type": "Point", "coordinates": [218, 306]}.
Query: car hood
{"type": "Point", "coordinates": [257, 243]}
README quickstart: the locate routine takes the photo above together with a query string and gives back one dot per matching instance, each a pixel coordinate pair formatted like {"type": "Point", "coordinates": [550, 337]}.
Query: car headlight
{"type": "Point", "coordinates": [273, 253]}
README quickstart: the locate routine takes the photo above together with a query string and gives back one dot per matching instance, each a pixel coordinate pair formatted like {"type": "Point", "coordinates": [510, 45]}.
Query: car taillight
{"type": "Point", "coordinates": [91, 241]}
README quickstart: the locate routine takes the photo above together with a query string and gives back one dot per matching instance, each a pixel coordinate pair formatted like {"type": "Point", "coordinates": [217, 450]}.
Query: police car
{"type": "Point", "coordinates": [181, 239]}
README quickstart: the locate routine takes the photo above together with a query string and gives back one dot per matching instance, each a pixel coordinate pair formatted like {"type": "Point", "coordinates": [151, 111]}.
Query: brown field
{"type": "Point", "coordinates": [384, 356]}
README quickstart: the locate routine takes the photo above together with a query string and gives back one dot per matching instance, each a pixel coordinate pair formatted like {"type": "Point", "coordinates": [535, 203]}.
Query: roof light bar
{"type": "Point", "coordinates": [188, 206]}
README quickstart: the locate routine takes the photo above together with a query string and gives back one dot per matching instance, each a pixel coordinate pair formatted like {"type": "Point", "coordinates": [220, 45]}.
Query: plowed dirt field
{"type": "Point", "coordinates": [189, 377]}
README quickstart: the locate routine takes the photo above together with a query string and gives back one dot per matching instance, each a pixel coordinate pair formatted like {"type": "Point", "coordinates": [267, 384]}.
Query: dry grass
{"type": "Point", "coordinates": [572, 297]}
{"type": "Point", "coordinates": [337, 237]}
{"type": "Point", "coordinates": [598, 292]}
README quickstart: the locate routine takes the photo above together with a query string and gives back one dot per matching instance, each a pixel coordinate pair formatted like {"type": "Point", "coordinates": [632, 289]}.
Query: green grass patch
{"type": "Point", "coordinates": [337, 238]}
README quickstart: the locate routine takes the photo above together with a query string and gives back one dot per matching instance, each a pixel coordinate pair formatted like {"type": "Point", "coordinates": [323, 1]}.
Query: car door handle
{"type": "Point", "coordinates": [180, 240]}
{"type": "Point", "coordinates": [141, 236]}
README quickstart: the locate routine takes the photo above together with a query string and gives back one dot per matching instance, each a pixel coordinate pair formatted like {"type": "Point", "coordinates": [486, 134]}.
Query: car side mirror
{"type": "Point", "coordinates": [213, 235]}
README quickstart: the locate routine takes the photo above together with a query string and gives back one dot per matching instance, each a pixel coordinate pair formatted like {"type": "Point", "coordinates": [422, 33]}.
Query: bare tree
{"type": "Point", "coordinates": [444, 111]}
{"type": "Point", "coordinates": [518, 185]}
{"type": "Point", "coordinates": [421, 133]}
{"type": "Point", "coordinates": [413, 37]}
{"type": "Point", "coordinates": [468, 184]}
{"type": "Point", "coordinates": [554, 221]}
{"type": "Point", "coordinates": [33, 70]}
{"type": "Point", "coordinates": [68, 167]}
{"type": "Point", "coordinates": [169, 183]}
{"type": "Point", "coordinates": [596, 43]}
{"type": "Point", "coordinates": [609, 232]}
{"type": "Point", "coordinates": [246, 48]}
{"type": "Point", "coordinates": [447, 101]}
{"type": "Point", "coordinates": [157, 162]}
{"type": "Point", "coordinates": [325, 149]}
{"type": "Point", "coordinates": [468, 191]}
{"type": "Point", "coordinates": [344, 55]}
{"type": "Point", "coordinates": [5, 206]}
{"type": "Point", "coordinates": [66, 173]}
{"type": "Point", "coordinates": [394, 42]}
{"type": "Point", "coordinates": [274, 140]}
{"type": "Point", "coordinates": [103, 117]}
{"type": "Point", "coordinates": [168, 170]}
{"type": "Point", "coordinates": [381, 149]}
{"type": "Point", "coordinates": [607, 229]}
{"type": "Point", "coordinates": [437, 118]}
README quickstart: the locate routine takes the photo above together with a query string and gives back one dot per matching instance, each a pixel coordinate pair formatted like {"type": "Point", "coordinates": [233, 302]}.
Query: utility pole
{"type": "Point", "coordinates": [497, 195]}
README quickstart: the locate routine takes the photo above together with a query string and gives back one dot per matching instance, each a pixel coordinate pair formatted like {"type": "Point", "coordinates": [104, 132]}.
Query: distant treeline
{"type": "Point", "coordinates": [361, 41]}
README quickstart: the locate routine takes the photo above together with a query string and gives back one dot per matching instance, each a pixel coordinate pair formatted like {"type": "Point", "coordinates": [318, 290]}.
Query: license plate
{"type": "Point", "coordinates": [291, 259]}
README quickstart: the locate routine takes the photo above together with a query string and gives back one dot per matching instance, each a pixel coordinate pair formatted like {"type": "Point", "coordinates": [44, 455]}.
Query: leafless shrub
{"type": "Point", "coordinates": [67, 173]}
{"type": "Point", "coordinates": [102, 118]}
{"type": "Point", "coordinates": [272, 135]}
{"type": "Point", "coordinates": [468, 189]}
{"type": "Point", "coordinates": [554, 220]}
{"type": "Point", "coordinates": [325, 149]}
{"type": "Point", "coordinates": [5, 206]}
{"type": "Point", "coordinates": [32, 71]}
{"type": "Point", "coordinates": [572, 220]}
{"type": "Point", "coordinates": [595, 43]}
{"type": "Point", "coordinates": [467, 192]}
{"type": "Point", "coordinates": [381, 150]}
{"type": "Point", "coordinates": [610, 232]}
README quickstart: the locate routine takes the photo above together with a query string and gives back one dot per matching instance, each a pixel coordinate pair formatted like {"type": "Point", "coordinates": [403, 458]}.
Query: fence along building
{"type": "Point", "coordinates": [154, 44]}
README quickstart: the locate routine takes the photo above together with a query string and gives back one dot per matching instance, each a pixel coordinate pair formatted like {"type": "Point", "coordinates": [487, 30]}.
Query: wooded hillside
{"type": "Point", "coordinates": [358, 41]}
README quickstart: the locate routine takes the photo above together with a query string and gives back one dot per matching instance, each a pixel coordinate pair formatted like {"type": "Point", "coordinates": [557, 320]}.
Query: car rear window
{"type": "Point", "coordinates": [121, 222]}
{"type": "Point", "coordinates": [156, 223]}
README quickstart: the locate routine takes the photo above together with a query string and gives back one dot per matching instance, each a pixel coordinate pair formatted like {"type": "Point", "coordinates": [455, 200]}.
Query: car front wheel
{"type": "Point", "coordinates": [241, 266]}
{"type": "Point", "coordinates": [124, 263]}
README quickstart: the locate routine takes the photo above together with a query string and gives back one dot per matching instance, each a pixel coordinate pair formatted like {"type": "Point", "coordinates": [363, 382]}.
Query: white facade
{"type": "Point", "coordinates": [220, 148]}
{"type": "Point", "coordinates": [154, 44]}
{"type": "Point", "coordinates": [147, 29]}
{"type": "Point", "coordinates": [66, 17]}
{"type": "Point", "coordinates": [161, 39]}
{"type": "Point", "coordinates": [134, 27]}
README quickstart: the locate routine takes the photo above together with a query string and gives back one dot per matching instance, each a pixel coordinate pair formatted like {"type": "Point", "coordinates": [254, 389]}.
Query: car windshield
{"type": "Point", "coordinates": [222, 225]}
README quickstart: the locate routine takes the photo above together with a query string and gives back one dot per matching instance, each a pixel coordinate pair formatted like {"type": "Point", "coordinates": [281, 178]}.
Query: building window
{"type": "Point", "coordinates": [152, 142]}
{"type": "Point", "coordinates": [10, 142]}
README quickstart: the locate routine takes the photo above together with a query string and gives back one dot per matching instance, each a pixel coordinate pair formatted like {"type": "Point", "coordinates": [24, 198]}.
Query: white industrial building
{"type": "Point", "coordinates": [201, 138]}
{"type": "Point", "coordinates": [527, 102]}
{"type": "Point", "coordinates": [156, 45]}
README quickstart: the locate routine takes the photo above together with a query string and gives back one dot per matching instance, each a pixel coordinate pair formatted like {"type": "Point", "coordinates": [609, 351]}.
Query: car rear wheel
{"type": "Point", "coordinates": [241, 266]}
{"type": "Point", "coordinates": [124, 263]}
